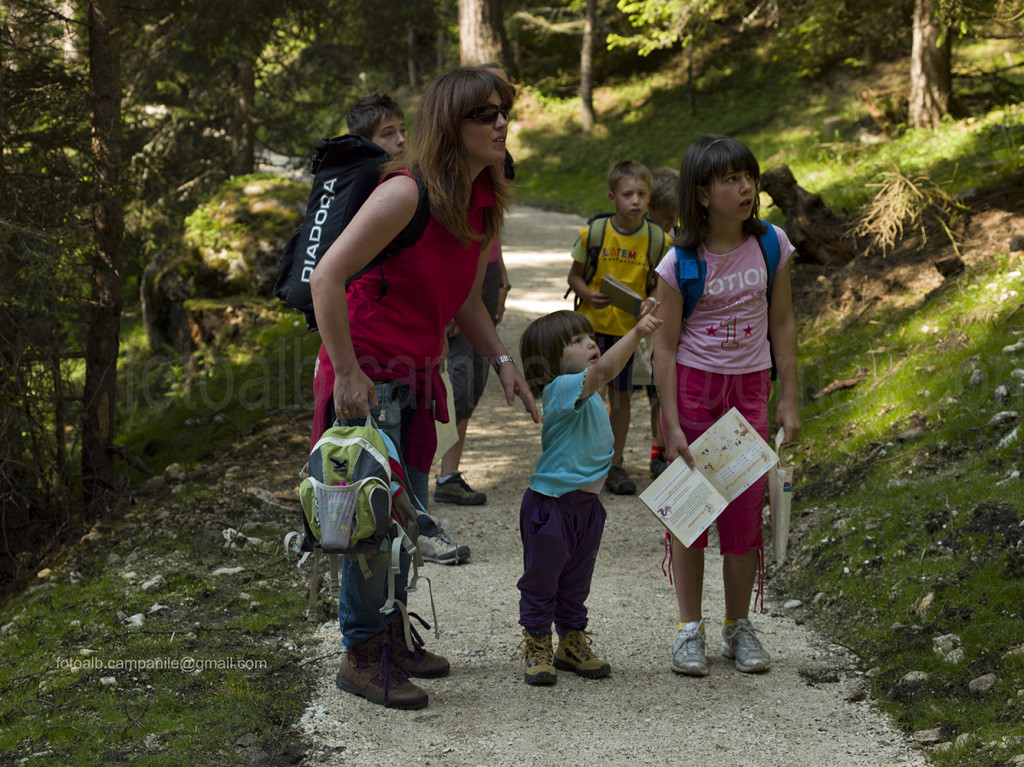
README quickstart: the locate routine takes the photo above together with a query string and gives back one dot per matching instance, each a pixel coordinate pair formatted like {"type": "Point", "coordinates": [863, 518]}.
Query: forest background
{"type": "Point", "coordinates": [130, 137]}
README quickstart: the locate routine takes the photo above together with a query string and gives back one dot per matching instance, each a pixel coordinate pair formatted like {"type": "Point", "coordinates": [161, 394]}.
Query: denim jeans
{"type": "Point", "coordinates": [361, 599]}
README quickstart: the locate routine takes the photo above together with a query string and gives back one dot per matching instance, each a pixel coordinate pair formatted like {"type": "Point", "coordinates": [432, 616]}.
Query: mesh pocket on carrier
{"type": "Point", "coordinates": [335, 512]}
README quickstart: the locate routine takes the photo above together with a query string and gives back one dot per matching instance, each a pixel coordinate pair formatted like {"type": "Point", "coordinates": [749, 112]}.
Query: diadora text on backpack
{"type": "Point", "coordinates": [345, 169]}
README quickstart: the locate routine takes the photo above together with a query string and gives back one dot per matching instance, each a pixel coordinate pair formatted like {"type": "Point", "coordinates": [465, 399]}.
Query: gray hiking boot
{"type": "Point", "coordinates": [739, 642]}
{"type": "Point", "coordinates": [367, 670]}
{"type": "Point", "coordinates": [688, 651]}
{"type": "Point", "coordinates": [442, 550]}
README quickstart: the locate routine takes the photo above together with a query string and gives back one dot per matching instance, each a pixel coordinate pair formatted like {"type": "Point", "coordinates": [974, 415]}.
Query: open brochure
{"type": "Point", "coordinates": [730, 456]}
{"type": "Point", "coordinates": [621, 295]}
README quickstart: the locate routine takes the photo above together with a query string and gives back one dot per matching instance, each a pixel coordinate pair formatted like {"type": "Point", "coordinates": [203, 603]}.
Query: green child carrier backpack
{"type": "Point", "coordinates": [355, 502]}
{"type": "Point", "coordinates": [346, 494]}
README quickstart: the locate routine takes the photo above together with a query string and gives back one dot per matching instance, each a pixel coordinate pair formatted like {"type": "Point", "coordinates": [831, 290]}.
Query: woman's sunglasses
{"type": "Point", "coordinates": [487, 113]}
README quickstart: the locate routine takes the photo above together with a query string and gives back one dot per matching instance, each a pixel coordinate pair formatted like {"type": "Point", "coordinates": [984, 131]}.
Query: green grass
{"type": "Point", "coordinates": [914, 538]}
{"type": "Point", "coordinates": [780, 117]}
{"type": "Point", "coordinates": [175, 404]}
{"type": "Point", "coordinates": [206, 679]}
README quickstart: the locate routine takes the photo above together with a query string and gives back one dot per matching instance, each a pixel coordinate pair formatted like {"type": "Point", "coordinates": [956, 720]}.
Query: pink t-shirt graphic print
{"type": "Point", "coordinates": [728, 329]}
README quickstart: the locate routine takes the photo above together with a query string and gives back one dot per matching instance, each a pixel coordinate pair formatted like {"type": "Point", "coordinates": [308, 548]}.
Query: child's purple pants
{"type": "Point", "coordinates": [561, 537]}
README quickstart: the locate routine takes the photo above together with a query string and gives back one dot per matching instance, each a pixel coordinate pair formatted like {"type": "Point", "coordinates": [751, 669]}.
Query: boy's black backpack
{"type": "Point", "coordinates": [345, 171]}
{"type": "Point", "coordinates": [595, 239]}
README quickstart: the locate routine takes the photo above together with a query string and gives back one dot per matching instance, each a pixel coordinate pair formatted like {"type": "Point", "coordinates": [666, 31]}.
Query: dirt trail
{"type": "Point", "coordinates": [483, 714]}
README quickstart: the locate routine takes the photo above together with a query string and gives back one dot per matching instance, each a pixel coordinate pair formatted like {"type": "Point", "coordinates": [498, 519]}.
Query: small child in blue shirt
{"type": "Point", "coordinates": [561, 518]}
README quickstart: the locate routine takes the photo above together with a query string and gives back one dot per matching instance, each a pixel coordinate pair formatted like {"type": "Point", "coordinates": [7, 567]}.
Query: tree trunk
{"type": "Point", "coordinates": [931, 76]}
{"type": "Point", "coordinates": [245, 107]}
{"type": "Point", "coordinates": [482, 36]}
{"type": "Point", "coordinates": [104, 260]}
{"type": "Point", "coordinates": [815, 231]}
{"type": "Point", "coordinates": [587, 68]}
{"type": "Point", "coordinates": [410, 45]}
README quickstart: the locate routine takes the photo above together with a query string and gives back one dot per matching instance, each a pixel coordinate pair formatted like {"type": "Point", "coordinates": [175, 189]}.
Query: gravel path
{"type": "Point", "coordinates": [799, 713]}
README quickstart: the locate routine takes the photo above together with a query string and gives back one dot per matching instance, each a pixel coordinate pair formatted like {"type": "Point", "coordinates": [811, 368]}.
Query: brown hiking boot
{"type": "Point", "coordinates": [537, 659]}
{"type": "Point", "coordinates": [368, 670]}
{"type": "Point", "coordinates": [416, 662]}
{"type": "Point", "coordinates": [574, 654]}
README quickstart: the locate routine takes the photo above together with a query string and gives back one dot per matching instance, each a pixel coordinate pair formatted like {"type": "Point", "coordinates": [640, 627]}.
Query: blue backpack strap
{"type": "Point", "coordinates": [771, 250]}
{"type": "Point", "coordinates": [691, 272]}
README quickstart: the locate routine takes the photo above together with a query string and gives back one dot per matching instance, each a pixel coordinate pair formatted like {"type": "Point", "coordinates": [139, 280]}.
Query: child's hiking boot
{"type": "Point", "coordinates": [618, 482]}
{"type": "Point", "coordinates": [417, 662]}
{"type": "Point", "coordinates": [441, 549]}
{"type": "Point", "coordinates": [538, 660]}
{"type": "Point", "coordinates": [456, 490]}
{"type": "Point", "coordinates": [574, 654]}
{"type": "Point", "coordinates": [658, 466]}
{"type": "Point", "coordinates": [739, 642]}
{"type": "Point", "coordinates": [688, 651]}
{"type": "Point", "coordinates": [368, 669]}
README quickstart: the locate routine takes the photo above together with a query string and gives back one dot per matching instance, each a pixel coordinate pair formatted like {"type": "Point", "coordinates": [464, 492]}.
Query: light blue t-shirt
{"type": "Point", "coordinates": [576, 439]}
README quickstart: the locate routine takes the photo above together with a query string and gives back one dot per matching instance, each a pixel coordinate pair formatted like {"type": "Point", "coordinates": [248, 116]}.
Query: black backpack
{"type": "Point", "coordinates": [345, 171]}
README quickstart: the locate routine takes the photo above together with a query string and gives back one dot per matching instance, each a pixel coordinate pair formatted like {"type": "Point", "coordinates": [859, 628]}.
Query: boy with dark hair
{"type": "Point", "coordinates": [624, 255]}
{"type": "Point", "coordinates": [380, 119]}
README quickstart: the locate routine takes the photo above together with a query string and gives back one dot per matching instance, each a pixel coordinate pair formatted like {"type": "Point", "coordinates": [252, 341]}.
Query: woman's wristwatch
{"type": "Point", "coordinates": [499, 361]}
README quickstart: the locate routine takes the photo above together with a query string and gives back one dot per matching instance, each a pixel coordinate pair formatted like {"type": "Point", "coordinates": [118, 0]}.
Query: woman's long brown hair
{"type": "Point", "coordinates": [438, 157]}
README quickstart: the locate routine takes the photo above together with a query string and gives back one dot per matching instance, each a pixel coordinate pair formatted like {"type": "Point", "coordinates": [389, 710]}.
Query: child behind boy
{"type": "Point", "coordinates": [625, 255]}
{"type": "Point", "coordinates": [663, 210]}
{"type": "Point", "coordinates": [561, 518]}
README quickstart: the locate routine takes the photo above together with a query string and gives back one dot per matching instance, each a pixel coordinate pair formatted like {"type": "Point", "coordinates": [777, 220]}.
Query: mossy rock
{"type": "Point", "coordinates": [240, 232]}
{"type": "Point", "coordinates": [231, 246]}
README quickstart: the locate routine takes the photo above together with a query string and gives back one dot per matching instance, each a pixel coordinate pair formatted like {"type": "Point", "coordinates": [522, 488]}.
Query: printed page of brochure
{"type": "Point", "coordinates": [684, 501]}
{"type": "Point", "coordinates": [730, 457]}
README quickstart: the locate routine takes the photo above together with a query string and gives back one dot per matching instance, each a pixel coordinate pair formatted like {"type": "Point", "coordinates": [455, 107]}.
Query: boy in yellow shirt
{"type": "Point", "coordinates": [626, 255]}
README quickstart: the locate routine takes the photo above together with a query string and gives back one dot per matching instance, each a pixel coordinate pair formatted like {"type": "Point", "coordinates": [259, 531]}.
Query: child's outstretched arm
{"type": "Point", "coordinates": [611, 362]}
{"type": "Point", "coordinates": [782, 335]}
{"type": "Point", "coordinates": [596, 298]}
{"type": "Point", "coordinates": [666, 339]}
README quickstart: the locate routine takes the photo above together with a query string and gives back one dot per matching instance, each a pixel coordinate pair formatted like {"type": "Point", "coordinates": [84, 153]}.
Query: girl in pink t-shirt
{"type": "Point", "coordinates": [719, 358]}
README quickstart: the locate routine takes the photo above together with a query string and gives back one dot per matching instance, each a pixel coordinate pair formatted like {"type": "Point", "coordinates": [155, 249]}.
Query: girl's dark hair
{"type": "Point", "coordinates": [438, 156]}
{"type": "Point", "coordinates": [542, 345]}
{"type": "Point", "coordinates": [710, 158]}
